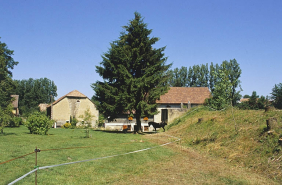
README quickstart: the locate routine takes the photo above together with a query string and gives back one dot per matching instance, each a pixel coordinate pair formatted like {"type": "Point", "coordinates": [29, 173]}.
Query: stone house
{"type": "Point", "coordinates": [171, 105]}
{"type": "Point", "coordinates": [73, 104]}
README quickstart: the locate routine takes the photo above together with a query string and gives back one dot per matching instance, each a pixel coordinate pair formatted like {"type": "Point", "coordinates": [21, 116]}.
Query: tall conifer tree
{"type": "Point", "coordinates": [135, 74]}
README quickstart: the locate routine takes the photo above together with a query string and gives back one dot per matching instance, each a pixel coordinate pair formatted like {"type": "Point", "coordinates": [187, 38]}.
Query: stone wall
{"type": "Point", "coordinates": [74, 107]}
{"type": "Point", "coordinates": [172, 114]}
{"type": "Point", "coordinates": [61, 112]}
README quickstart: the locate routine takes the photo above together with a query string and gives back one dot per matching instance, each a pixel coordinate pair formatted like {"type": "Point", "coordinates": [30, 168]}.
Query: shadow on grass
{"type": "Point", "coordinates": [124, 132]}
{"type": "Point", "coordinates": [7, 134]}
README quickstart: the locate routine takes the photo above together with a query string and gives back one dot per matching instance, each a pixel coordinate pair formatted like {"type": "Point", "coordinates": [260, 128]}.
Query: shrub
{"type": "Point", "coordinates": [67, 125]}
{"type": "Point", "coordinates": [15, 122]}
{"type": "Point", "coordinates": [73, 121]}
{"type": "Point", "coordinates": [38, 123]}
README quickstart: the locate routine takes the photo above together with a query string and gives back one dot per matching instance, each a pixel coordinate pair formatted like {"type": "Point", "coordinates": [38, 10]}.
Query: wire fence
{"type": "Point", "coordinates": [36, 168]}
{"type": "Point", "coordinates": [87, 160]}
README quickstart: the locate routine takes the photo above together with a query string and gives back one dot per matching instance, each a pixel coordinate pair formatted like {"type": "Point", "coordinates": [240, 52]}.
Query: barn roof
{"type": "Point", "coordinates": [175, 95]}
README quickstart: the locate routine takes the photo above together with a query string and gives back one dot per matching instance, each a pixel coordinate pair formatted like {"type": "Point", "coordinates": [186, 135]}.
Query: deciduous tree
{"type": "Point", "coordinates": [7, 85]}
{"type": "Point", "coordinates": [276, 95]}
{"type": "Point", "coordinates": [32, 92]}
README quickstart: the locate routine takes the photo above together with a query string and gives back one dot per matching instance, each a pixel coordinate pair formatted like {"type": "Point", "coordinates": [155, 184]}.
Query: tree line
{"type": "Point", "coordinates": [32, 92]}
{"type": "Point", "coordinates": [134, 76]}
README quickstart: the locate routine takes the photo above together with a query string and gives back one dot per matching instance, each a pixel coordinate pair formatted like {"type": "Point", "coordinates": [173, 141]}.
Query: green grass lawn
{"type": "Point", "coordinates": [17, 142]}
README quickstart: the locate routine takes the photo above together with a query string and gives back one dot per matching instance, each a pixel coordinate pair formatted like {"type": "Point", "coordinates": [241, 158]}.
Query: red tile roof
{"type": "Point", "coordinates": [175, 95]}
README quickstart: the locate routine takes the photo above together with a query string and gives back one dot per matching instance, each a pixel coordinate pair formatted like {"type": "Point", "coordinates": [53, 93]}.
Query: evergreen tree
{"type": "Point", "coordinates": [135, 74]}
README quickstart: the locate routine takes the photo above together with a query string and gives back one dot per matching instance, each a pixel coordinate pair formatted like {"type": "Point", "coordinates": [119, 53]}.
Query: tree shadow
{"type": "Point", "coordinates": [125, 132]}
{"type": "Point", "coordinates": [7, 134]}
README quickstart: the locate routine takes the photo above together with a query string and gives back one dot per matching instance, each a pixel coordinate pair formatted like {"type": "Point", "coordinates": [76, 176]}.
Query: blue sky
{"type": "Point", "coordinates": [63, 40]}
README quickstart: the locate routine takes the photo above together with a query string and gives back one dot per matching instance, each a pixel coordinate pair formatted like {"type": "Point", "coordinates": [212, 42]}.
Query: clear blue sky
{"type": "Point", "coordinates": [63, 40]}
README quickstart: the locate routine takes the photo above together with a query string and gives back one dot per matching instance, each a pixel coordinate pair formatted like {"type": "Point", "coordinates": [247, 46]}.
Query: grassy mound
{"type": "Point", "coordinates": [241, 137]}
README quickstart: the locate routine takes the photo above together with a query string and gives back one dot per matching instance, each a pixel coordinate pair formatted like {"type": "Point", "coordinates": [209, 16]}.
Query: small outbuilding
{"type": "Point", "coordinates": [73, 104]}
{"type": "Point", "coordinates": [178, 100]}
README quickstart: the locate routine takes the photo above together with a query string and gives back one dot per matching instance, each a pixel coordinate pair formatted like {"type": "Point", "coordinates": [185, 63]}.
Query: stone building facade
{"type": "Point", "coordinates": [73, 104]}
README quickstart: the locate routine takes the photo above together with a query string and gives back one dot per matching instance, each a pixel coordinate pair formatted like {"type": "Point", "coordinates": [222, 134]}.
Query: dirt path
{"type": "Point", "coordinates": [191, 167]}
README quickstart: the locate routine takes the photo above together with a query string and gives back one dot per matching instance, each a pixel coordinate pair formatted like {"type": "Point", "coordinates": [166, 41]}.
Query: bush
{"type": "Point", "coordinates": [67, 125]}
{"type": "Point", "coordinates": [38, 123]}
{"type": "Point", "coordinates": [73, 122]}
{"type": "Point", "coordinates": [15, 122]}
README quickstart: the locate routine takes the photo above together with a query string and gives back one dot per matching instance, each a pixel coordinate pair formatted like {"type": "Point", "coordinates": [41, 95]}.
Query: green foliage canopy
{"type": "Point", "coordinates": [276, 95]}
{"type": "Point", "coordinates": [134, 73]}
{"type": "Point", "coordinates": [7, 85]}
{"type": "Point", "coordinates": [32, 92]}
{"type": "Point", "coordinates": [208, 76]}
{"type": "Point", "coordinates": [38, 123]}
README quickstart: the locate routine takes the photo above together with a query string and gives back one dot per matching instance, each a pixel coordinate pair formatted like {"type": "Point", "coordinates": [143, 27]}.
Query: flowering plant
{"type": "Point", "coordinates": [145, 119]}
{"type": "Point", "coordinates": [130, 118]}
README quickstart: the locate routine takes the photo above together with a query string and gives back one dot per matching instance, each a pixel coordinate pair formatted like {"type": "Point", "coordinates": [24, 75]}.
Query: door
{"type": "Point", "coordinates": [164, 115]}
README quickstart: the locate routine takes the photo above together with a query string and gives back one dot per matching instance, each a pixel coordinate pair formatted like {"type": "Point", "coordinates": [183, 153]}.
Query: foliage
{"type": "Point", "coordinates": [38, 123]}
{"type": "Point", "coordinates": [32, 92]}
{"type": "Point", "coordinates": [135, 74]}
{"type": "Point", "coordinates": [5, 117]}
{"type": "Point", "coordinates": [67, 125]}
{"type": "Point", "coordinates": [15, 122]}
{"type": "Point", "coordinates": [101, 120]}
{"type": "Point", "coordinates": [178, 77]}
{"type": "Point", "coordinates": [87, 121]}
{"type": "Point", "coordinates": [254, 102]}
{"type": "Point", "coordinates": [7, 85]}
{"type": "Point", "coordinates": [225, 82]}
{"type": "Point", "coordinates": [207, 76]}
{"type": "Point", "coordinates": [222, 91]}
{"type": "Point", "coordinates": [276, 95]}
{"type": "Point", "coordinates": [73, 122]}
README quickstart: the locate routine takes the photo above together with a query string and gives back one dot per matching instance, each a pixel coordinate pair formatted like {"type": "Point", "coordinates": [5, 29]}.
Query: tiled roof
{"type": "Point", "coordinates": [175, 95]}
{"type": "Point", "coordinates": [244, 99]}
{"type": "Point", "coordinates": [15, 103]}
{"type": "Point", "coordinates": [74, 93]}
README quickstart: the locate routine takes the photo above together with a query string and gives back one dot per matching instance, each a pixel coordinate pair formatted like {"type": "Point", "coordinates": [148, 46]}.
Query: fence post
{"type": "Point", "coordinates": [36, 150]}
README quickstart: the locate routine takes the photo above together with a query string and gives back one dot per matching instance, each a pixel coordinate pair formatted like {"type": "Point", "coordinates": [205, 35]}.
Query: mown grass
{"type": "Point", "coordinates": [17, 142]}
{"type": "Point", "coordinates": [210, 152]}
{"type": "Point", "coordinates": [238, 136]}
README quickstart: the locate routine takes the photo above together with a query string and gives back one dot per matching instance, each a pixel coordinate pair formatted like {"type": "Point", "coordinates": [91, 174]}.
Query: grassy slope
{"type": "Point", "coordinates": [250, 147]}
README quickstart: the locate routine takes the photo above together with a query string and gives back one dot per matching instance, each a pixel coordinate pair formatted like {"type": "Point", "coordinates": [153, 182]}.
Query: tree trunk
{"type": "Point", "coordinates": [271, 123]}
{"type": "Point", "coordinates": [138, 123]}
